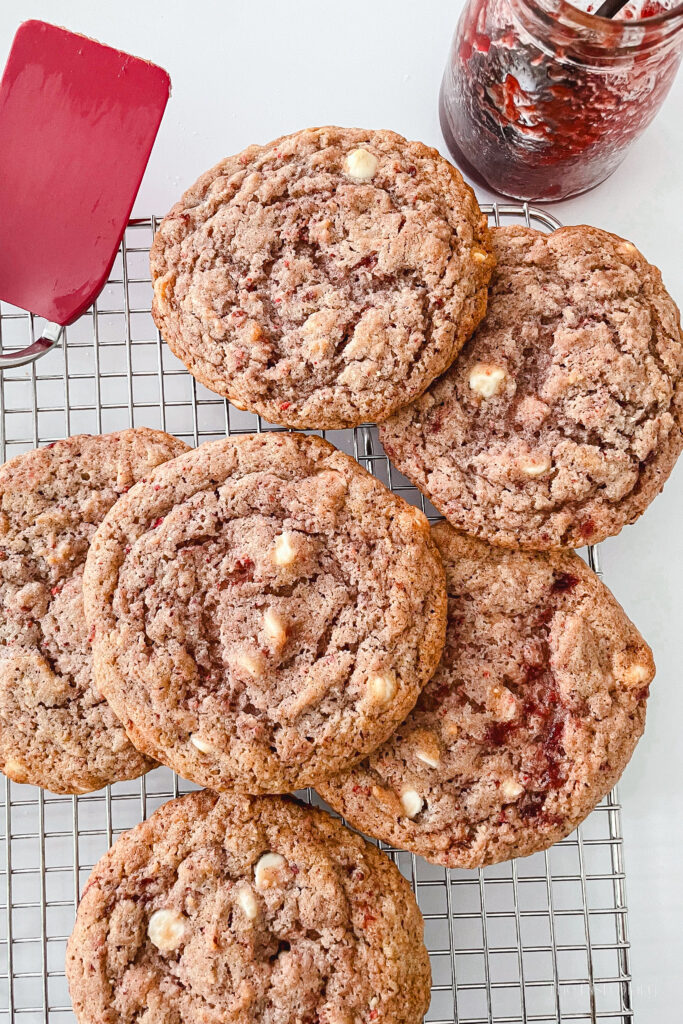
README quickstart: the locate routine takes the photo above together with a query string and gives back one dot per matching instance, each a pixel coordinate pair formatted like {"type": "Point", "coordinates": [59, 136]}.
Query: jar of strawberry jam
{"type": "Point", "coordinates": [541, 100]}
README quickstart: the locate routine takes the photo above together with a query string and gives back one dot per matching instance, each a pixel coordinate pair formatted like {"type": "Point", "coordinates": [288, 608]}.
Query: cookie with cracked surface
{"type": "Point", "coordinates": [563, 416]}
{"type": "Point", "coordinates": [56, 730]}
{"type": "Point", "coordinates": [247, 909]}
{"type": "Point", "coordinates": [528, 722]}
{"type": "Point", "coordinates": [324, 279]}
{"type": "Point", "coordinates": [264, 612]}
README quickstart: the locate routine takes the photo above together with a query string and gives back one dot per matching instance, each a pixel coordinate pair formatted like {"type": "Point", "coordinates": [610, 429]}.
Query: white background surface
{"type": "Point", "coordinates": [246, 72]}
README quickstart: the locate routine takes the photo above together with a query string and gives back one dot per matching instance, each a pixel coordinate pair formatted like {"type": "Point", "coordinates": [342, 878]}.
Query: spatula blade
{"type": "Point", "coordinates": [77, 125]}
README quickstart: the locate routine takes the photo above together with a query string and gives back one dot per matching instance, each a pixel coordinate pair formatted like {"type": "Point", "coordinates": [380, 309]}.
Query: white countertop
{"type": "Point", "coordinates": [246, 72]}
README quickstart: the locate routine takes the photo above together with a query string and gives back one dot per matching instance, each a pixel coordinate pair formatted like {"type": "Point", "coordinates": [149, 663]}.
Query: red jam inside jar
{"type": "Point", "coordinates": [541, 100]}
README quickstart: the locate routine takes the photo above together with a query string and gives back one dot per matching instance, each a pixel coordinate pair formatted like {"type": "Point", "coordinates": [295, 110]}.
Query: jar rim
{"type": "Point", "coordinates": [619, 37]}
{"type": "Point", "coordinates": [568, 11]}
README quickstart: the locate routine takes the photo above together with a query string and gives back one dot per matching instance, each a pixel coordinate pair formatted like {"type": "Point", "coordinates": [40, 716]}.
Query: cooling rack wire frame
{"type": "Point", "coordinates": [542, 939]}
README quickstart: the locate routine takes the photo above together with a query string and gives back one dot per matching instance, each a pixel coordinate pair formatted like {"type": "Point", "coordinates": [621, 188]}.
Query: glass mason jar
{"type": "Point", "coordinates": [541, 100]}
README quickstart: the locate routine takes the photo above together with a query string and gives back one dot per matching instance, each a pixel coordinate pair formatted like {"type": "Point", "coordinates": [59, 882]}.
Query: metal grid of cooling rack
{"type": "Point", "coordinates": [542, 939]}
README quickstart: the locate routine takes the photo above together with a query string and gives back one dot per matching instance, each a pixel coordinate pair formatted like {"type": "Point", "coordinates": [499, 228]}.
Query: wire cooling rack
{"type": "Point", "coordinates": [542, 939]}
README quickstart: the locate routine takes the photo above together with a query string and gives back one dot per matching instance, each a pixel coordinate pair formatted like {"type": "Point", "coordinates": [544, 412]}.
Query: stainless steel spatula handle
{"type": "Point", "coordinates": [48, 339]}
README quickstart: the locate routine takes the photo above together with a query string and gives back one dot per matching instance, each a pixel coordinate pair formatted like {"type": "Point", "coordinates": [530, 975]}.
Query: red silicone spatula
{"type": "Point", "coordinates": [77, 125]}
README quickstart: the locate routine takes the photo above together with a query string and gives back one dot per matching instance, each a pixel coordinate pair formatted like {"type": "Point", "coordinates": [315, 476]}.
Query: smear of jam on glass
{"type": "Point", "coordinates": [541, 100]}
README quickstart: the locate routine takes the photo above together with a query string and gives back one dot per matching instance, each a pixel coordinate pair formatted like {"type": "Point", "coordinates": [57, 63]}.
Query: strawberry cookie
{"type": "Point", "coordinates": [251, 910]}
{"type": "Point", "coordinates": [563, 416]}
{"type": "Point", "coordinates": [264, 613]}
{"type": "Point", "coordinates": [323, 279]}
{"type": "Point", "coordinates": [528, 722]}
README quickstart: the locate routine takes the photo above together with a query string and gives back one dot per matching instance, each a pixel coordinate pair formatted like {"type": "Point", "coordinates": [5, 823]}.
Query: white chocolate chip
{"type": "Point", "coordinates": [451, 730]}
{"type": "Point", "coordinates": [284, 552]}
{"type": "Point", "coordinates": [268, 870]}
{"type": "Point", "coordinates": [535, 465]}
{"type": "Point", "coordinates": [411, 802]}
{"type": "Point", "coordinates": [318, 332]}
{"type": "Point", "coordinates": [247, 902]}
{"type": "Point", "coordinates": [361, 164]}
{"type": "Point", "coordinates": [331, 480]}
{"type": "Point", "coordinates": [201, 744]}
{"type": "Point", "coordinates": [478, 255]}
{"type": "Point", "coordinates": [502, 703]}
{"type": "Point", "coordinates": [274, 627]}
{"type": "Point", "coordinates": [427, 758]}
{"type": "Point", "coordinates": [250, 664]}
{"type": "Point", "coordinates": [426, 747]}
{"type": "Point", "coordinates": [15, 770]}
{"type": "Point", "coordinates": [636, 673]}
{"type": "Point", "coordinates": [511, 789]}
{"type": "Point", "coordinates": [383, 687]}
{"type": "Point", "coordinates": [374, 1003]}
{"type": "Point", "coordinates": [628, 247]}
{"type": "Point", "coordinates": [166, 929]}
{"type": "Point", "coordinates": [486, 379]}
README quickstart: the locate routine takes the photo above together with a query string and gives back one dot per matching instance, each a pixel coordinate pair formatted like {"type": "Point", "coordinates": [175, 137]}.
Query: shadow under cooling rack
{"type": "Point", "coordinates": [542, 939]}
